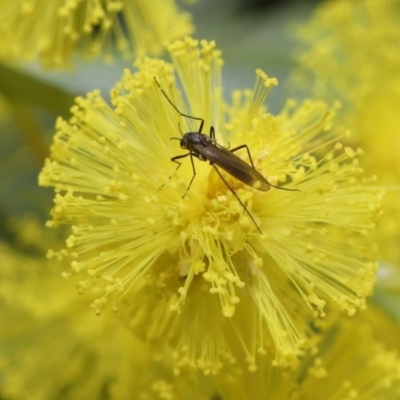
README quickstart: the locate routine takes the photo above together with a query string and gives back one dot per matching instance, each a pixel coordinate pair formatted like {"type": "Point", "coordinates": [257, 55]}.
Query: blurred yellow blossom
{"type": "Point", "coordinates": [50, 348]}
{"type": "Point", "coordinates": [195, 272]}
{"type": "Point", "coordinates": [52, 31]}
{"type": "Point", "coordinates": [351, 51]}
{"type": "Point", "coordinates": [351, 364]}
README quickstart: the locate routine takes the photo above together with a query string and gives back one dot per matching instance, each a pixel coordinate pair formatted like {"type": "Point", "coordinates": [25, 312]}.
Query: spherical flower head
{"type": "Point", "coordinates": [351, 51]}
{"type": "Point", "coordinates": [351, 364]}
{"type": "Point", "coordinates": [87, 357]}
{"type": "Point", "coordinates": [215, 277]}
{"type": "Point", "coordinates": [52, 32]}
{"type": "Point", "coordinates": [340, 64]}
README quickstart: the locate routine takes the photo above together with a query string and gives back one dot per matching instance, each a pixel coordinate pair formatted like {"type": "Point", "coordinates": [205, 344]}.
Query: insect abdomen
{"type": "Point", "coordinates": [249, 176]}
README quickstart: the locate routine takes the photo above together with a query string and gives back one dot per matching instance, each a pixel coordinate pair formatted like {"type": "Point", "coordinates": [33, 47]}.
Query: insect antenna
{"type": "Point", "coordinates": [180, 130]}
{"type": "Point", "coordinates": [177, 110]}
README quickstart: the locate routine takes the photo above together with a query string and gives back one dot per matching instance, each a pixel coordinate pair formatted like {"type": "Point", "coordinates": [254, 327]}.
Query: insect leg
{"type": "Point", "coordinates": [248, 152]}
{"type": "Point", "coordinates": [237, 197]}
{"type": "Point", "coordinates": [194, 172]}
{"type": "Point", "coordinates": [212, 133]}
{"type": "Point", "coordinates": [174, 159]}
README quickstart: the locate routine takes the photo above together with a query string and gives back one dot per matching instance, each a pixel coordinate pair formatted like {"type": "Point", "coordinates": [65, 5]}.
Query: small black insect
{"type": "Point", "coordinates": [206, 148]}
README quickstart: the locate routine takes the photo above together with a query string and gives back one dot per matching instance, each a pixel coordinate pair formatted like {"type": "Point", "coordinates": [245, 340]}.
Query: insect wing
{"type": "Point", "coordinates": [233, 165]}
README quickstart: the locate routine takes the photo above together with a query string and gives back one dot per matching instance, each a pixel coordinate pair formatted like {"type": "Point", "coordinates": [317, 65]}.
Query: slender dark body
{"type": "Point", "coordinates": [206, 148]}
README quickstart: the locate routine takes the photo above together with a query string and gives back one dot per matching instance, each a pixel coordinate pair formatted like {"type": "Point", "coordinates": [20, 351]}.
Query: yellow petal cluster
{"type": "Point", "coordinates": [52, 348]}
{"type": "Point", "coordinates": [196, 272]}
{"type": "Point", "coordinates": [351, 51]}
{"type": "Point", "coordinates": [351, 364]}
{"type": "Point", "coordinates": [53, 31]}
{"type": "Point", "coordinates": [92, 357]}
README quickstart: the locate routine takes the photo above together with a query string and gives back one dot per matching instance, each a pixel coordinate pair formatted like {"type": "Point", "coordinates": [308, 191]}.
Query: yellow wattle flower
{"type": "Point", "coordinates": [195, 272]}
{"type": "Point", "coordinates": [50, 348]}
{"type": "Point", "coordinates": [52, 32]}
{"type": "Point", "coordinates": [350, 50]}
{"type": "Point", "coordinates": [351, 364]}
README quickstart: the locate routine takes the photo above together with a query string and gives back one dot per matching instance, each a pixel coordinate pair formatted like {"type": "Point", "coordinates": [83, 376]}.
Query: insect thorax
{"type": "Point", "coordinates": [195, 138]}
